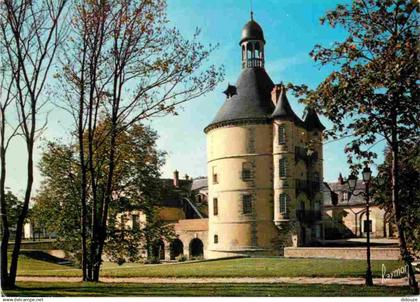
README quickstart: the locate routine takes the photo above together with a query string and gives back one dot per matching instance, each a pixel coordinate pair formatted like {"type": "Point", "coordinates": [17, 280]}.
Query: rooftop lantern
{"type": "Point", "coordinates": [252, 44]}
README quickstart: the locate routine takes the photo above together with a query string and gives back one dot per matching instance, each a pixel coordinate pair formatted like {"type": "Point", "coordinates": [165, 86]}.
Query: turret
{"type": "Point", "coordinates": [239, 153]}
{"type": "Point", "coordinates": [285, 132]}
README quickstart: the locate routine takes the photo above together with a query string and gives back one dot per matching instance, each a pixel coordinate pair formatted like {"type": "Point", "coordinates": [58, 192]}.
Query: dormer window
{"type": "Point", "coordinates": [230, 91]}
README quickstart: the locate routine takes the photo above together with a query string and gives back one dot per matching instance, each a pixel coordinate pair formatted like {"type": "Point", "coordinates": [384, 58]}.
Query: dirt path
{"type": "Point", "coordinates": [295, 280]}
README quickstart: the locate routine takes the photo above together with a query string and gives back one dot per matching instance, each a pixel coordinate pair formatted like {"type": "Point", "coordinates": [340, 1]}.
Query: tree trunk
{"type": "Point", "coordinates": [103, 214]}
{"type": "Point", "coordinates": [5, 282]}
{"type": "Point", "coordinates": [23, 214]}
{"type": "Point", "coordinates": [83, 184]}
{"type": "Point", "coordinates": [83, 168]}
{"type": "Point", "coordinates": [397, 214]}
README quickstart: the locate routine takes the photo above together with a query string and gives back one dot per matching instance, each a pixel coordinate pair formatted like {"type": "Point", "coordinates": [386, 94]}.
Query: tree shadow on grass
{"type": "Point", "coordinates": [43, 256]}
{"type": "Point", "coordinates": [215, 290]}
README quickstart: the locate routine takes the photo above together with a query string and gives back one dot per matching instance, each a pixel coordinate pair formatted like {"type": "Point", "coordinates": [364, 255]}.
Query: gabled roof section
{"type": "Point", "coordinates": [311, 120]}
{"type": "Point", "coordinates": [283, 110]}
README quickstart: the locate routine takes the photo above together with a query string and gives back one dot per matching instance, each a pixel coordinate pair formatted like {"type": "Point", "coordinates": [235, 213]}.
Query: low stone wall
{"type": "Point", "coordinates": [389, 253]}
{"type": "Point", "coordinates": [45, 244]}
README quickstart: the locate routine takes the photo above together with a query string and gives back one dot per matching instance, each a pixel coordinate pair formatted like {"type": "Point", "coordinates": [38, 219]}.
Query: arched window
{"type": "Point", "coordinates": [284, 203]}
{"type": "Point", "coordinates": [282, 135]}
{"type": "Point", "coordinates": [283, 167]}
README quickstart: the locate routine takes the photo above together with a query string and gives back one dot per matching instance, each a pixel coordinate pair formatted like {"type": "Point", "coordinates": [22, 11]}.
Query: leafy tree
{"type": "Point", "coordinates": [57, 208]}
{"type": "Point", "coordinates": [136, 187]}
{"type": "Point", "coordinates": [125, 61]}
{"type": "Point", "coordinates": [409, 194]}
{"type": "Point", "coordinates": [14, 208]}
{"type": "Point", "coordinates": [373, 94]}
{"type": "Point", "coordinates": [30, 34]}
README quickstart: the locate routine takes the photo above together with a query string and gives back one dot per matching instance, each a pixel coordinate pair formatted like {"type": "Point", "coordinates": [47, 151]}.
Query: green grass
{"type": "Point", "coordinates": [246, 267]}
{"type": "Point", "coordinates": [256, 290]}
{"type": "Point", "coordinates": [42, 266]}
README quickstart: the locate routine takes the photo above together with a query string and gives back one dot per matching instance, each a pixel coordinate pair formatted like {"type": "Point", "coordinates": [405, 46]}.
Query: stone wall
{"type": "Point", "coordinates": [348, 220]}
{"type": "Point", "coordinates": [341, 253]}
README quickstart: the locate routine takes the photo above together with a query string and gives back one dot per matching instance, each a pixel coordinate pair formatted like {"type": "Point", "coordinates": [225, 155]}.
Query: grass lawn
{"type": "Point", "coordinates": [245, 267]}
{"type": "Point", "coordinates": [256, 290]}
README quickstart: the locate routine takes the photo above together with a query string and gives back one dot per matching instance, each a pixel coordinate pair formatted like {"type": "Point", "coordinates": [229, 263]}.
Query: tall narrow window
{"type": "Point", "coordinates": [216, 239]}
{"type": "Point", "coordinates": [215, 206]}
{"type": "Point", "coordinates": [135, 222]}
{"type": "Point", "coordinates": [283, 167]}
{"type": "Point", "coordinates": [123, 221]}
{"type": "Point", "coordinates": [282, 135]}
{"type": "Point", "coordinates": [367, 226]}
{"type": "Point", "coordinates": [247, 204]}
{"type": "Point", "coordinates": [284, 203]}
{"type": "Point", "coordinates": [214, 173]}
{"type": "Point", "coordinates": [246, 171]}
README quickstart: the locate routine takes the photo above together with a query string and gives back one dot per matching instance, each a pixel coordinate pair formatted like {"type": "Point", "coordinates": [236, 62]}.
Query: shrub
{"type": "Point", "coordinates": [181, 258]}
{"type": "Point", "coordinates": [153, 260]}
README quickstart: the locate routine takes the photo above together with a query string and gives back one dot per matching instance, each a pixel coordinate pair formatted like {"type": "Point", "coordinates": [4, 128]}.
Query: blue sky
{"type": "Point", "coordinates": [291, 29]}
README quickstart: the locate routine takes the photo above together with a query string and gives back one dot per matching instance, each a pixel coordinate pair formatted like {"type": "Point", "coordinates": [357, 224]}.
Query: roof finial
{"type": "Point", "coordinates": [252, 13]}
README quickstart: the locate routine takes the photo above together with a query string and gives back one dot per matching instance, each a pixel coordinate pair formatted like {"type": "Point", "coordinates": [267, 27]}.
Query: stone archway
{"type": "Point", "coordinates": [196, 248]}
{"type": "Point", "coordinates": [176, 249]}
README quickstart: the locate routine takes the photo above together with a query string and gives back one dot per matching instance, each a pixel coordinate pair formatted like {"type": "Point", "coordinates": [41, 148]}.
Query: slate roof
{"type": "Point", "coordinates": [283, 110]}
{"type": "Point", "coordinates": [252, 31]}
{"type": "Point", "coordinates": [252, 100]}
{"type": "Point", "coordinates": [340, 190]}
{"type": "Point", "coordinates": [199, 183]}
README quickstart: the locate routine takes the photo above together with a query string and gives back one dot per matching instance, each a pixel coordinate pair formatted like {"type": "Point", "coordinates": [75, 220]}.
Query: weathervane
{"type": "Point", "coordinates": [252, 13]}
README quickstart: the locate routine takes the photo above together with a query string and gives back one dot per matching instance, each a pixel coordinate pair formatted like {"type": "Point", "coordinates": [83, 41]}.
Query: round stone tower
{"type": "Point", "coordinates": [240, 162]}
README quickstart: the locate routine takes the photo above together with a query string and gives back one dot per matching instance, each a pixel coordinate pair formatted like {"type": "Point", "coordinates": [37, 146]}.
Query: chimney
{"type": "Point", "coordinates": [276, 92]}
{"type": "Point", "coordinates": [176, 179]}
{"type": "Point", "coordinates": [187, 177]}
{"type": "Point", "coordinates": [340, 179]}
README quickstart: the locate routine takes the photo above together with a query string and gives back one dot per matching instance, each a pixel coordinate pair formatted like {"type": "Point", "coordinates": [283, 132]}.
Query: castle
{"type": "Point", "coordinates": [264, 189]}
{"type": "Point", "coordinates": [265, 164]}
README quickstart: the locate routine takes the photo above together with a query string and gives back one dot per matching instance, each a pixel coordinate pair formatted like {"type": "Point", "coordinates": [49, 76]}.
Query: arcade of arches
{"type": "Point", "coordinates": [193, 248]}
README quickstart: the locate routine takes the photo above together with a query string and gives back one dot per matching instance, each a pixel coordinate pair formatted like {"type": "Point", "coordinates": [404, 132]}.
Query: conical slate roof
{"type": "Point", "coordinates": [311, 120]}
{"type": "Point", "coordinates": [251, 101]}
{"type": "Point", "coordinates": [284, 111]}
